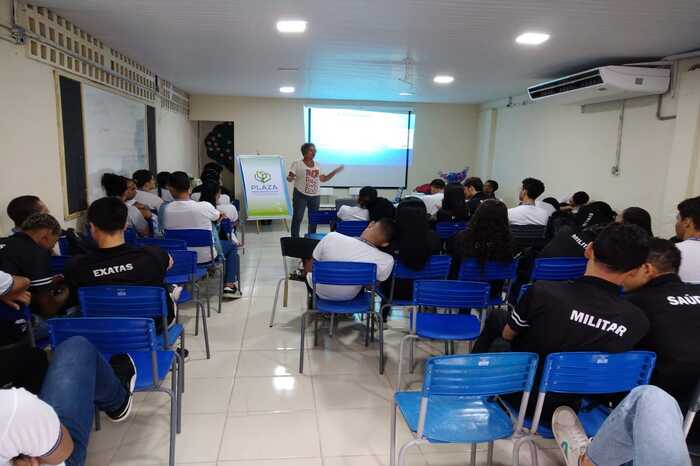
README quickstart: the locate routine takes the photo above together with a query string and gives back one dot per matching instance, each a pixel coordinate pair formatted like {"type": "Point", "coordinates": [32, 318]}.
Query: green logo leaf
{"type": "Point", "coordinates": [262, 176]}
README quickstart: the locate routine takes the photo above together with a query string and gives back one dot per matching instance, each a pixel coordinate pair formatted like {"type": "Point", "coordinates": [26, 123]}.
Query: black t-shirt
{"type": "Point", "coordinates": [120, 265]}
{"type": "Point", "coordinates": [673, 310]}
{"type": "Point", "coordinates": [475, 202]}
{"type": "Point", "coordinates": [566, 244]}
{"type": "Point", "coordinates": [588, 314]}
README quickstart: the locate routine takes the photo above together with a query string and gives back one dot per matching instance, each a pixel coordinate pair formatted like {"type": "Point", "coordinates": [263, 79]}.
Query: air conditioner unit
{"type": "Point", "coordinates": [603, 84]}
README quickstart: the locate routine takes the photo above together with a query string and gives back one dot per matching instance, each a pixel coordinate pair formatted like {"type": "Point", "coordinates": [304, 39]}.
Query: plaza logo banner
{"type": "Point", "coordinates": [264, 187]}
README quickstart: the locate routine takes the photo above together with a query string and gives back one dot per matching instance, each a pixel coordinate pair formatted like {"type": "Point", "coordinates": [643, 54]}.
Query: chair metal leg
{"type": "Point", "coordinates": [206, 330]}
{"type": "Point", "coordinates": [285, 298]}
{"type": "Point", "coordinates": [174, 415]}
{"type": "Point", "coordinates": [381, 344]}
{"type": "Point", "coordinates": [221, 286]}
{"type": "Point", "coordinates": [274, 303]}
{"type": "Point", "coordinates": [182, 362]}
{"type": "Point", "coordinates": [301, 345]}
{"type": "Point", "coordinates": [330, 331]}
{"type": "Point", "coordinates": [176, 389]}
{"type": "Point", "coordinates": [392, 438]}
{"type": "Point", "coordinates": [411, 357]}
{"type": "Point", "coordinates": [472, 460]}
{"type": "Point", "coordinates": [196, 318]}
{"type": "Point", "coordinates": [447, 347]}
{"type": "Point", "coordinates": [98, 423]}
{"type": "Point", "coordinates": [315, 330]}
{"type": "Point", "coordinates": [367, 330]}
{"type": "Point", "coordinates": [404, 449]}
{"type": "Point", "coordinates": [398, 376]}
{"type": "Point", "coordinates": [489, 454]}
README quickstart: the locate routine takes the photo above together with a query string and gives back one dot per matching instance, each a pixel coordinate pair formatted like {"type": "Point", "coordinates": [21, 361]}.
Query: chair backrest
{"type": "Point", "coordinates": [589, 373]}
{"type": "Point", "coordinates": [226, 226]}
{"type": "Point", "coordinates": [110, 335]}
{"type": "Point", "coordinates": [446, 230]}
{"type": "Point", "coordinates": [351, 227]}
{"type": "Point", "coordinates": [184, 263]}
{"type": "Point", "coordinates": [558, 268]}
{"type": "Point", "coordinates": [124, 301]}
{"type": "Point", "coordinates": [452, 294]}
{"type": "Point", "coordinates": [437, 268]}
{"type": "Point", "coordinates": [344, 273]}
{"type": "Point", "coordinates": [478, 375]}
{"type": "Point", "coordinates": [63, 245]}
{"type": "Point", "coordinates": [528, 232]}
{"type": "Point", "coordinates": [322, 217]}
{"type": "Point", "coordinates": [165, 244]}
{"type": "Point", "coordinates": [523, 289]}
{"type": "Point", "coordinates": [299, 248]}
{"type": "Point", "coordinates": [491, 270]}
{"type": "Point", "coordinates": [192, 237]}
{"type": "Point", "coordinates": [130, 236]}
{"type": "Point", "coordinates": [58, 263]}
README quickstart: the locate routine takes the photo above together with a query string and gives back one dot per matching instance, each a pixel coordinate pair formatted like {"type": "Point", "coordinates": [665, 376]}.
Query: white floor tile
{"type": "Point", "coordinates": [221, 365]}
{"type": "Point", "coordinates": [269, 363]}
{"type": "Point", "coordinates": [351, 391]}
{"type": "Point", "coordinates": [344, 362]}
{"type": "Point", "coordinates": [271, 394]}
{"type": "Point", "coordinates": [206, 396]}
{"type": "Point", "coordinates": [412, 460]}
{"type": "Point", "coordinates": [289, 462]}
{"type": "Point", "coordinates": [271, 436]}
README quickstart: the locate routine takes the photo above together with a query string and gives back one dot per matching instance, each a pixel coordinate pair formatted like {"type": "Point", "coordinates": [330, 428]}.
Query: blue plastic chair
{"type": "Point", "coordinates": [471, 270]}
{"type": "Point", "coordinates": [203, 238]}
{"type": "Point", "coordinates": [322, 217]}
{"type": "Point", "coordinates": [134, 336]}
{"type": "Point", "coordinates": [558, 268]}
{"type": "Point", "coordinates": [58, 264]}
{"type": "Point", "coordinates": [446, 294]}
{"type": "Point", "coordinates": [167, 245]}
{"type": "Point", "coordinates": [446, 230]}
{"type": "Point", "coordinates": [588, 373]}
{"type": "Point", "coordinates": [63, 246]}
{"type": "Point", "coordinates": [349, 274]}
{"type": "Point", "coordinates": [185, 272]}
{"type": "Point", "coordinates": [456, 402]}
{"type": "Point", "coordinates": [351, 227]}
{"type": "Point", "coordinates": [130, 236]}
{"type": "Point", "coordinates": [436, 268]}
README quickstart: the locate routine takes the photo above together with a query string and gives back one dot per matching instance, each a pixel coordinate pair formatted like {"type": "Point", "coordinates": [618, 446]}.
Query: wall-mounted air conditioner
{"type": "Point", "coordinates": [603, 84]}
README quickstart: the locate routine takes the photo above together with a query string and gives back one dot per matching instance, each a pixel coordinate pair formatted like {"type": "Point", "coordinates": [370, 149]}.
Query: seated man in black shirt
{"type": "Point", "coordinates": [588, 314]}
{"type": "Point", "coordinates": [115, 262]}
{"type": "Point", "coordinates": [21, 208]}
{"type": "Point", "coordinates": [474, 193]}
{"type": "Point", "coordinates": [28, 254]}
{"type": "Point", "coordinates": [673, 310]}
{"type": "Point", "coordinates": [568, 244]}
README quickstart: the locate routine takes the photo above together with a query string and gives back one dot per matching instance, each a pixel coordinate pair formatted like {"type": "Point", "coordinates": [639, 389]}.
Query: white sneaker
{"type": "Point", "coordinates": [570, 435]}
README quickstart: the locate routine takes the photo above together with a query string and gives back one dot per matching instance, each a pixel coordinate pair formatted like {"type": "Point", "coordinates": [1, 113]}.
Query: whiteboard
{"type": "Point", "coordinates": [115, 137]}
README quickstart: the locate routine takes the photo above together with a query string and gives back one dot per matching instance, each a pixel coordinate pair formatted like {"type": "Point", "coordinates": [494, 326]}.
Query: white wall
{"type": "Point", "coordinates": [29, 139]}
{"type": "Point", "coordinates": [572, 149]}
{"type": "Point", "coordinates": [445, 136]}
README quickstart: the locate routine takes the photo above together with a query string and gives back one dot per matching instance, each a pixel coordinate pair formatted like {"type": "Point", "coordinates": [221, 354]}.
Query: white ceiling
{"type": "Point", "coordinates": [353, 48]}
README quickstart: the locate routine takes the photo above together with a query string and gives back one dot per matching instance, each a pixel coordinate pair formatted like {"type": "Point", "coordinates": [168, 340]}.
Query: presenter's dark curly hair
{"type": "Point", "coordinates": [487, 236]}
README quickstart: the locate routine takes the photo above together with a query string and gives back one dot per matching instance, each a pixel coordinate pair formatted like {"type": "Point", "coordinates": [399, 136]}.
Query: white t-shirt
{"type": "Point", "coordinates": [6, 282]}
{"type": "Point", "coordinates": [191, 215]}
{"type": "Point", "coordinates": [134, 218]}
{"type": "Point", "coordinates": [546, 206]}
{"type": "Point", "coordinates": [337, 247]}
{"type": "Point", "coordinates": [433, 202]}
{"type": "Point", "coordinates": [223, 205]}
{"type": "Point", "coordinates": [150, 200]}
{"type": "Point", "coordinates": [307, 179]}
{"type": "Point", "coordinates": [166, 196]}
{"type": "Point", "coordinates": [527, 214]}
{"type": "Point", "coordinates": [28, 426]}
{"type": "Point", "coordinates": [223, 198]}
{"type": "Point", "coordinates": [690, 260]}
{"type": "Point", "coordinates": [348, 213]}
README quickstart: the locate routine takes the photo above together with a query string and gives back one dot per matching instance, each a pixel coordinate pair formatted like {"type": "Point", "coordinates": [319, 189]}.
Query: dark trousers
{"type": "Point", "coordinates": [300, 202]}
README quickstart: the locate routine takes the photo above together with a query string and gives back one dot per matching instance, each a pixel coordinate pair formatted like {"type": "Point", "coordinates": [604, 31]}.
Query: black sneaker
{"type": "Point", "coordinates": [231, 292]}
{"type": "Point", "coordinates": [184, 353]}
{"type": "Point", "coordinates": [125, 370]}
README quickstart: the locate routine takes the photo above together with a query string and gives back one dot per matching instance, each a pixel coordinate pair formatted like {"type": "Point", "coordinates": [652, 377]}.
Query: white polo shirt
{"type": "Point", "coordinates": [28, 426]}
{"type": "Point", "coordinates": [307, 179]}
{"type": "Point", "coordinates": [690, 260]}
{"type": "Point", "coordinates": [338, 247]}
{"type": "Point", "coordinates": [433, 202]}
{"type": "Point", "coordinates": [191, 215]}
{"type": "Point", "coordinates": [150, 200]}
{"type": "Point", "coordinates": [348, 213]}
{"type": "Point", "coordinates": [527, 214]}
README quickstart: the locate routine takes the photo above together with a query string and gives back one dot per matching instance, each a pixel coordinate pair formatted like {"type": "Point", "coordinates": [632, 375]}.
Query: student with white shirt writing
{"type": "Point", "coordinates": [366, 196]}
{"type": "Point", "coordinates": [307, 178]}
{"type": "Point", "coordinates": [433, 201]}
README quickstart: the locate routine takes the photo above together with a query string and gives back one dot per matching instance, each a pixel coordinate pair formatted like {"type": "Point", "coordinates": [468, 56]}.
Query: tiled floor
{"type": "Point", "coordinates": [248, 405]}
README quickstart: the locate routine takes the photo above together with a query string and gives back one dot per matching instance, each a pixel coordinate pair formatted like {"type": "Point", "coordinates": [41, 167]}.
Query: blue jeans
{"type": "Point", "coordinates": [300, 202]}
{"type": "Point", "coordinates": [230, 253]}
{"type": "Point", "coordinates": [646, 429]}
{"type": "Point", "coordinates": [78, 380]}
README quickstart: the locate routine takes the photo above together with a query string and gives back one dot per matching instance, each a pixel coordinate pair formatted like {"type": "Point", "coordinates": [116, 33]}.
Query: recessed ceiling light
{"type": "Point", "coordinates": [532, 38]}
{"type": "Point", "coordinates": [287, 89]}
{"type": "Point", "coordinates": [405, 93]}
{"type": "Point", "coordinates": [291, 26]}
{"type": "Point", "coordinates": [443, 79]}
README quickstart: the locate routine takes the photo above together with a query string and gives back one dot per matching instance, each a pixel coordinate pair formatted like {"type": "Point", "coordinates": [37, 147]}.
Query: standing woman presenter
{"type": "Point", "coordinates": [307, 178]}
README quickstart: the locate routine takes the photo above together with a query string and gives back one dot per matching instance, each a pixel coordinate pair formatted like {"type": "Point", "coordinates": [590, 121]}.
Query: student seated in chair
{"type": "Point", "coordinates": [28, 254]}
{"type": "Point", "coordinates": [55, 426]}
{"type": "Point", "coordinates": [145, 184]}
{"type": "Point", "coordinates": [337, 247]}
{"type": "Point", "coordinates": [366, 196]}
{"type": "Point", "coordinates": [588, 314]}
{"type": "Point", "coordinates": [528, 213]}
{"type": "Point", "coordinates": [185, 214]}
{"type": "Point", "coordinates": [115, 262]}
{"type": "Point", "coordinates": [474, 192]}
{"type": "Point", "coordinates": [117, 186]}
{"type": "Point", "coordinates": [433, 201]}
{"type": "Point", "coordinates": [688, 231]}
{"type": "Point", "coordinates": [21, 208]}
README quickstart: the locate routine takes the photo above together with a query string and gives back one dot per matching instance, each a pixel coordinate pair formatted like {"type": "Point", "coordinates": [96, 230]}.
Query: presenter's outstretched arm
{"type": "Point", "coordinates": [327, 177]}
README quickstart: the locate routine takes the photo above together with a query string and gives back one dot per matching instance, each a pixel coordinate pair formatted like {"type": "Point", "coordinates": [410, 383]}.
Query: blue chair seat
{"type": "Point", "coordinates": [447, 326]}
{"type": "Point", "coordinates": [591, 419]}
{"type": "Point", "coordinates": [318, 236]}
{"type": "Point", "coordinates": [174, 332]}
{"type": "Point", "coordinates": [463, 419]}
{"type": "Point", "coordinates": [179, 279]}
{"type": "Point", "coordinates": [359, 304]}
{"type": "Point", "coordinates": [144, 378]}
{"type": "Point", "coordinates": [185, 297]}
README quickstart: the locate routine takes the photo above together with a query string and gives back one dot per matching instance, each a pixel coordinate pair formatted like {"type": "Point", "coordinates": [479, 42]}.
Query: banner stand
{"type": "Point", "coordinates": [264, 187]}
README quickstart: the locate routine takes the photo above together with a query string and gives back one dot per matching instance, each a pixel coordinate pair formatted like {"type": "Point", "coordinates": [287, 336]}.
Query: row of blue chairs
{"type": "Point", "coordinates": [456, 403]}
{"type": "Point", "coordinates": [444, 230]}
